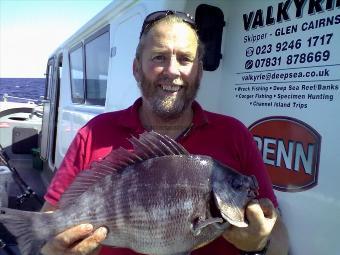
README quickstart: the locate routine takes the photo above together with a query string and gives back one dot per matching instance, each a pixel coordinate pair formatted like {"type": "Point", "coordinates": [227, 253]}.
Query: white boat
{"type": "Point", "coordinates": [20, 128]}
{"type": "Point", "coordinates": [273, 65]}
{"type": "Point", "coordinates": [27, 113]}
{"type": "Point", "coordinates": [20, 182]}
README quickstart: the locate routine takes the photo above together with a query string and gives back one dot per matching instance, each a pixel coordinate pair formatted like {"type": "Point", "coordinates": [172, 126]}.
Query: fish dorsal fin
{"type": "Point", "coordinates": [161, 145]}
{"type": "Point", "coordinates": [149, 145]}
{"type": "Point", "coordinates": [84, 181]}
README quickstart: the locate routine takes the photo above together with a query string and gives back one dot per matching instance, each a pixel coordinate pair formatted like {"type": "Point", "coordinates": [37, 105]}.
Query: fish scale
{"type": "Point", "coordinates": [157, 200]}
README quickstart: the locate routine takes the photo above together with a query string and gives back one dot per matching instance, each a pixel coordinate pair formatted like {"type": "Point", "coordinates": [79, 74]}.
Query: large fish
{"type": "Point", "coordinates": [157, 200]}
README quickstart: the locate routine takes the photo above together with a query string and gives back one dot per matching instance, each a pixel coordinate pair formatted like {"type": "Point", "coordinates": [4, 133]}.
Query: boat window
{"type": "Point", "coordinates": [97, 52]}
{"type": "Point", "coordinates": [77, 74]}
{"type": "Point", "coordinates": [210, 22]}
{"type": "Point", "coordinates": [49, 78]}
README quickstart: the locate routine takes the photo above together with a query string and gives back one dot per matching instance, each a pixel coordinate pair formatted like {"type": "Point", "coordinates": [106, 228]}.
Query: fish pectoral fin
{"type": "Point", "coordinates": [197, 226]}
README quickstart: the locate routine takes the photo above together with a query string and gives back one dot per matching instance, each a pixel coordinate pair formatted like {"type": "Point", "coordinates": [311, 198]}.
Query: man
{"type": "Point", "coordinates": [168, 69]}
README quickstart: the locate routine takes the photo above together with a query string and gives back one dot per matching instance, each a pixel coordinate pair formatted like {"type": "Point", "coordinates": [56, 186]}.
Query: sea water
{"type": "Point", "coordinates": [31, 88]}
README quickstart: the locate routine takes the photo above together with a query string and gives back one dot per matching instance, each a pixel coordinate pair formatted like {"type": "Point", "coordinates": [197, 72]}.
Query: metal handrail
{"type": "Point", "coordinates": [5, 98]}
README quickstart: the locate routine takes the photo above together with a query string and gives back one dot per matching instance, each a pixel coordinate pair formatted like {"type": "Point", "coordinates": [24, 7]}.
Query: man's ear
{"type": "Point", "coordinates": [137, 69]}
{"type": "Point", "coordinates": [200, 69]}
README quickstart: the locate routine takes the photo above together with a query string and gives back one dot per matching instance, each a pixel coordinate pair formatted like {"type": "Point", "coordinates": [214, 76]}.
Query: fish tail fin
{"type": "Point", "coordinates": [28, 227]}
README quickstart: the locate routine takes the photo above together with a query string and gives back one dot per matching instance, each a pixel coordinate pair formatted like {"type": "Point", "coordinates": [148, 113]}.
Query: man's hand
{"type": "Point", "coordinates": [78, 240]}
{"type": "Point", "coordinates": [261, 217]}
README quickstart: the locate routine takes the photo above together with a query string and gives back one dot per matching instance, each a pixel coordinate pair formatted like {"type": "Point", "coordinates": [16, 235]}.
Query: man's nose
{"type": "Point", "coordinates": [173, 67]}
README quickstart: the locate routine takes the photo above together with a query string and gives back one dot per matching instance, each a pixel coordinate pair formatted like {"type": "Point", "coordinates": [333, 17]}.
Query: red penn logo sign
{"type": "Point", "coordinates": [291, 151]}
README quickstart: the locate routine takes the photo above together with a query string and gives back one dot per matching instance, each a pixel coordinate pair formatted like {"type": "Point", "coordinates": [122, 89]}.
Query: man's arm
{"type": "Point", "coordinates": [264, 224]}
{"type": "Point", "coordinates": [279, 241]}
{"type": "Point", "coordinates": [80, 239]}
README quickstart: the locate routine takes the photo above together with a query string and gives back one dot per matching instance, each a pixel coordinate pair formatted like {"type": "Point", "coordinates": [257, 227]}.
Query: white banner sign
{"type": "Point", "coordinates": [283, 80]}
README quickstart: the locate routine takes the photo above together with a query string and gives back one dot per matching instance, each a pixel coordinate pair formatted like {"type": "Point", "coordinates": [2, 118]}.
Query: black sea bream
{"type": "Point", "coordinates": [158, 199]}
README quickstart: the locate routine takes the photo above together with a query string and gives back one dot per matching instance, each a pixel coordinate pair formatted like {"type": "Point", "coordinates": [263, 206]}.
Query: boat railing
{"type": "Point", "coordinates": [7, 98]}
{"type": "Point", "coordinates": [14, 104]}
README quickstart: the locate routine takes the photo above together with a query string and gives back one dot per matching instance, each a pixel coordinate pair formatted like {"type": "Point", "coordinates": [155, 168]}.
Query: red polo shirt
{"type": "Point", "coordinates": [221, 137]}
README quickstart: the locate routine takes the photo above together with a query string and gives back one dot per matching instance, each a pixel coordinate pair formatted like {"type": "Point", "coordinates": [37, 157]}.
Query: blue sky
{"type": "Point", "coordinates": [31, 29]}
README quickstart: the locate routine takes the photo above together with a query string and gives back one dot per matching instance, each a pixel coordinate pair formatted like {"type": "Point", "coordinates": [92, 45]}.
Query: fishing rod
{"type": "Point", "coordinates": [26, 191]}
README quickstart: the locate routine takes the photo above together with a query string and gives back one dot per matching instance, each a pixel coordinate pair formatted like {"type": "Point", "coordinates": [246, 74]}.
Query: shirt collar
{"type": "Point", "coordinates": [131, 117]}
{"type": "Point", "coordinates": [200, 117]}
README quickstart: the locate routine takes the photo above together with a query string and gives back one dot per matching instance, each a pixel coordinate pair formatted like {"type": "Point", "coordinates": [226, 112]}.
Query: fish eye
{"type": "Point", "coordinates": [236, 184]}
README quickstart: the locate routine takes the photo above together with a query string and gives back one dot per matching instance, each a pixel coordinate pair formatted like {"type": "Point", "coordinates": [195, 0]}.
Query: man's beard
{"type": "Point", "coordinates": [168, 106]}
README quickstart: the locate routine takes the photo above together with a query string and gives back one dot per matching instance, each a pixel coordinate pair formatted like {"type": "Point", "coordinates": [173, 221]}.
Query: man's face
{"type": "Point", "coordinates": [169, 71]}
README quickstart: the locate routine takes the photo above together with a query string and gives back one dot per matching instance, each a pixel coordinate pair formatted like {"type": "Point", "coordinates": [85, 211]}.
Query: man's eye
{"type": "Point", "coordinates": [185, 60]}
{"type": "Point", "coordinates": [158, 58]}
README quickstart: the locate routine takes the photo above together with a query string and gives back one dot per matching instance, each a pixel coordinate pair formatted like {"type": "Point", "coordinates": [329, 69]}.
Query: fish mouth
{"type": "Point", "coordinates": [231, 212]}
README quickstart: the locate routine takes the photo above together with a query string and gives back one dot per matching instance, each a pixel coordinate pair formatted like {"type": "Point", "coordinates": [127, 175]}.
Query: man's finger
{"type": "Point", "coordinates": [268, 208]}
{"type": "Point", "coordinates": [254, 212]}
{"type": "Point", "coordinates": [72, 235]}
{"type": "Point", "coordinates": [91, 243]}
